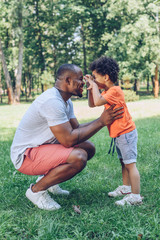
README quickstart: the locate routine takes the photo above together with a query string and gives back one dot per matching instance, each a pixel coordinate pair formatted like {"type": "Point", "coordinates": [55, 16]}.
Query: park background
{"type": "Point", "coordinates": [36, 37]}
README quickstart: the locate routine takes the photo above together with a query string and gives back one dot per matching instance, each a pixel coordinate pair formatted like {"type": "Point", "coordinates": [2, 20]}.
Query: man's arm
{"type": "Point", "coordinates": [75, 124]}
{"type": "Point", "coordinates": [68, 136]}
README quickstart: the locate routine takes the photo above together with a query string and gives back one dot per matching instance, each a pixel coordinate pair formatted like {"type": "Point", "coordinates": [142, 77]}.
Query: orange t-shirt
{"type": "Point", "coordinates": [115, 95]}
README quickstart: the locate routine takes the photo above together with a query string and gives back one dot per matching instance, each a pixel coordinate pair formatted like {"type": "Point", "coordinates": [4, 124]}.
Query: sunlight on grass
{"type": "Point", "coordinates": [100, 219]}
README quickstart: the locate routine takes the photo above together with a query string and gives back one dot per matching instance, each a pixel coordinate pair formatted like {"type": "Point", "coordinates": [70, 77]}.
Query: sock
{"type": "Point", "coordinates": [136, 195]}
{"type": "Point", "coordinates": [127, 186]}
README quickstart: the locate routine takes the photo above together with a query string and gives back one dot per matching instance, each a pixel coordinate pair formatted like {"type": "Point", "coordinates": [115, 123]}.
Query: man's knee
{"type": "Point", "coordinates": [78, 159]}
{"type": "Point", "coordinates": [81, 160]}
{"type": "Point", "coordinates": [91, 151]}
{"type": "Point", "coordinates": [89, 148]}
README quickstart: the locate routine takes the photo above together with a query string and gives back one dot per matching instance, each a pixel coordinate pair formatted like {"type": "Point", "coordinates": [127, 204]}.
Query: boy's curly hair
{"type": "Point", "coordinates": [105, 65]}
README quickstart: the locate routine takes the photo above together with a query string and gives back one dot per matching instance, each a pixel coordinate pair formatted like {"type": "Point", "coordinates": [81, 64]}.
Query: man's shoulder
{"type": "Point", "coordinates": [50, 95]}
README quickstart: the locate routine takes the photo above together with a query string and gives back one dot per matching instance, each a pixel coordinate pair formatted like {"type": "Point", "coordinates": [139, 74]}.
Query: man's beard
{"type": "Point", "coordinates": [77, 94]}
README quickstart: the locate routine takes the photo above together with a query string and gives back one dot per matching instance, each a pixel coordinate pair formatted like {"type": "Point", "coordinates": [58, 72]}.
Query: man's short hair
{"type": "Point", "coordinates": [70, 68]}
{"type": "Point", "coordinates": [105, 65]}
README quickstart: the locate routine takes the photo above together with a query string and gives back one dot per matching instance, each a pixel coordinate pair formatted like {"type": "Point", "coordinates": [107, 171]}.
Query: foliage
{"type": "Point", "coordinates": [99, 218]}
{"type": "Point", "coordinates": [60, 31]}
{"type": "Point", "coordinates": [130, 96]}
{"type": "Point", "coordinates": [47, 79]}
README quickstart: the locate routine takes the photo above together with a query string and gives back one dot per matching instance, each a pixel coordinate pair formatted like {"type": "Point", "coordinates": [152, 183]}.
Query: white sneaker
{"type": "Point", "coordinates": [120, 191]}
{"type": "Point", "coordinates": [41, 199]}
{"type": "Point", "coordinates": [57, 190]}
{"type": "Point", "coordinates": [130, 199]}
{"type": "Point", "coordinates": [54, 189]}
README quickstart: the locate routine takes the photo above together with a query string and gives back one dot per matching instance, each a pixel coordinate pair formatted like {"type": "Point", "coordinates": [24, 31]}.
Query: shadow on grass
{"type": "Point", "coordinates": [99, 218]}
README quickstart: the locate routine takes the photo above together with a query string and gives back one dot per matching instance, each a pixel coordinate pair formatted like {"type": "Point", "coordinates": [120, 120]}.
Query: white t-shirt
{"type": "Point", "coordinates": [49, 109]}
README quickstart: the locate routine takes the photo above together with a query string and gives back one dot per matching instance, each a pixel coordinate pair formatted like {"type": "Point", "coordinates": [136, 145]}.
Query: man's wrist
{"type": "Point", "coordinates": [101, 124]}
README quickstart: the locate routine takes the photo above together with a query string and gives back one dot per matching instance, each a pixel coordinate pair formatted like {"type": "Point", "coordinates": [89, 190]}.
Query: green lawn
{"type": "Point", "coordinates": [99, 218]}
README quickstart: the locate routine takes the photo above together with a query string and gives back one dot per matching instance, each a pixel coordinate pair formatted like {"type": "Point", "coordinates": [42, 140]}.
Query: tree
{"type": "Point", "coordinates": [133, 41]}
{"type": "Point", "coordinates": [12, 10]}
{"type": "Point", "coordinates": [7, 76]}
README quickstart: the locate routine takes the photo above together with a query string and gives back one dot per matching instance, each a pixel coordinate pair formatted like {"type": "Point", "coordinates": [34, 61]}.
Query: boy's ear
{"type": "Point", "coordinates": [106, 77]}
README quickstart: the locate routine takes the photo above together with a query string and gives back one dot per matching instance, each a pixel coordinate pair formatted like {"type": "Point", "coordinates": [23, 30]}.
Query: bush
{"type": "Point", "coordinates": [130, 96]}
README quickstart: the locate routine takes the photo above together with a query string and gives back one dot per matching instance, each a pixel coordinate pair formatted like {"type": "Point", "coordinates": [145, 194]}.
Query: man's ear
{"type": "Point", "coordinates": [68, 80]}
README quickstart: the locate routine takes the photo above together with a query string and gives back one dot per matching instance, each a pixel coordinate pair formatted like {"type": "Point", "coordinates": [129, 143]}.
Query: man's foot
{"type": "Point", "coordinates": [120, 191]}
{"type": "Point", "coordinates": [54, 189]}
{"type": "Point", "coordinates": [57, 190]}
{"type": "Point", "coordinates": [130, 199]}
{"type": "Point", "coordinates": [41, 199]}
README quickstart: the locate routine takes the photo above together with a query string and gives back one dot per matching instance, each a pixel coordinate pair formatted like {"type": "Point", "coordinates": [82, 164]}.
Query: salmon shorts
{"type": "Point", "coordinates": [40, 160]}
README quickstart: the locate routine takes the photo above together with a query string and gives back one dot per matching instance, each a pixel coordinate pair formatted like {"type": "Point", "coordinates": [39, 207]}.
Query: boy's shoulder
{"type": "Point", "coordinates": [113, 89]}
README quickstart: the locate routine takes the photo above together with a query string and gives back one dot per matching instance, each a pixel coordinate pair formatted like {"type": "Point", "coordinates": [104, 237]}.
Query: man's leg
{"type": "Point", "coordinates": [89, 148]}
{"type": "Point", "coordinates": [75, 163]}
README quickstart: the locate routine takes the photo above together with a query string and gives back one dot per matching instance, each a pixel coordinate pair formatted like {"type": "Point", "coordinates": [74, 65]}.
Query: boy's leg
{"type": "Point", "coordinates": [125, 175]}
{"type": "Point", "coordinates": [134, 177]}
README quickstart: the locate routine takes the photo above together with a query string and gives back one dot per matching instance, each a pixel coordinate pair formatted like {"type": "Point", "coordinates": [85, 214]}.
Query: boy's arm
{"type": "Point", "coordinates": [89, 82]}
{"type": "Point", "coordinates": [98, 99]}
{"type": "Point", "coordinates": [94, 96]}
{"type": "Point", "coordinates": [90, 98]}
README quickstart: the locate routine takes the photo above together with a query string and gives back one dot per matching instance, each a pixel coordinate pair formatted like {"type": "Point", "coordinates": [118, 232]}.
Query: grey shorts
{"type": "Point", "coordinates": [126, 146]}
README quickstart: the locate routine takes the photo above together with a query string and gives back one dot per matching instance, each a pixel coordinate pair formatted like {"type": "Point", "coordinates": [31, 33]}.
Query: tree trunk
{"type": "Point", "coordinates": [41, 56]}
{"type": "Point", "coordinates": [19, 72]}
{"type": "Point", "coordinates": [1, 89]}
{"type": "Point", "coordinates": [84, 50]}
{"type": "Point", "coordinates": [20, 57]}
{"type": "Point", "coordinates": [84, 53]}
{"type": "Point", "coordinates": [135, 85]}
{"type": "Point", "coordinates": [156, 89]}
{"type": "Point", "coordinates": [7, 77]}
{"type": "Point", "coordinates": [153, 84]}
{"type": "Point", "coordinates": [148, 84]}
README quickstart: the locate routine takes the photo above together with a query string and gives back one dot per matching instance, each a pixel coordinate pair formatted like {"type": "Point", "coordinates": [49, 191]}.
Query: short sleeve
{"type": "Point", "coordinates": [54, 112]}
{"type": "Point", "coordinates": [71, 111]}
{"type": "Point", "coordinates": [110, 96]}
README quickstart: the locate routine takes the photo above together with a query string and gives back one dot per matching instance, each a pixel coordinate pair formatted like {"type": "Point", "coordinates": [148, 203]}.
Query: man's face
{"type": "Point", "coordinates": [77, 83]}
{"type": "Point", "coordinates": [99, 79]}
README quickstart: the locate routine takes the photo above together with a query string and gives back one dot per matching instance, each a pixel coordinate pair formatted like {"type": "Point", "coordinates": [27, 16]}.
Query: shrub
{"type": "Point", "coordinates": [130, 96]}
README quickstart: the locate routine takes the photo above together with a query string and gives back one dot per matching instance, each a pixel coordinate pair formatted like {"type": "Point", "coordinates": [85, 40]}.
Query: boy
{"type": "Point", "coordinates": [104, 76]}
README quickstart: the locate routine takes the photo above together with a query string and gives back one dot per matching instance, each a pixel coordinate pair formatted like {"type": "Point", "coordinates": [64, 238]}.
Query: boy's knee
{"type": "Point", "coordinates": [130, 166]}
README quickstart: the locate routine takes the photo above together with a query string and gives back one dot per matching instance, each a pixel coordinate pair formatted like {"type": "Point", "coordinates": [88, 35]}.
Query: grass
{"type": "Point", "coordinates": [99, 218]}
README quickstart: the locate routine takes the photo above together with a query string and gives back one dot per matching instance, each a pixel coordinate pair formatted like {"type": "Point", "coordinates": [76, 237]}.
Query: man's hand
{"type": "Point", "coordinates": [109, 115]}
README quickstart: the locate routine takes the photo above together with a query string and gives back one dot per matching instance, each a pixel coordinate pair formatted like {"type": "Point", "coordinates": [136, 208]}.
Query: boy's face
{"type": "Point", "coordinates": [99, 79]}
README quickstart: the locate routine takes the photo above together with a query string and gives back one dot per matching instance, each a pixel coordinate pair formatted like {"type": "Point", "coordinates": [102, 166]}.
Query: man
{"type": "Point", "coordinates": [49, 140]}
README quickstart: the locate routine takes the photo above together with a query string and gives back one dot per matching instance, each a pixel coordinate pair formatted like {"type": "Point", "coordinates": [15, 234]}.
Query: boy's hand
{"type": "Point", "coordinates": [89, 81]}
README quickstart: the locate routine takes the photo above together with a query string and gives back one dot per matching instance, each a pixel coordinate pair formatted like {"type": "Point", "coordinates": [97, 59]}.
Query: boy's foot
{"type": "Point", "coordinates": [120, 191]}
{"type": "Point", "coordinates": [130, 199]}
{"type": "Point", "coordinates": [54, 189]}
{"type": "Point", "coordinates": [42, 199]}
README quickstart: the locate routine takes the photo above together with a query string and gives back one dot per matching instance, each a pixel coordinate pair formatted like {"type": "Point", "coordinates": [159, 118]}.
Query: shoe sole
{"type": "Point", "coordinates": [131, 204]}
{"type": "Point", "coordinates": [122, 194]}
{"type": "Point", "coordinates": [58, 193]}
{"type": "Point", "coordinates": [51, 209]}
